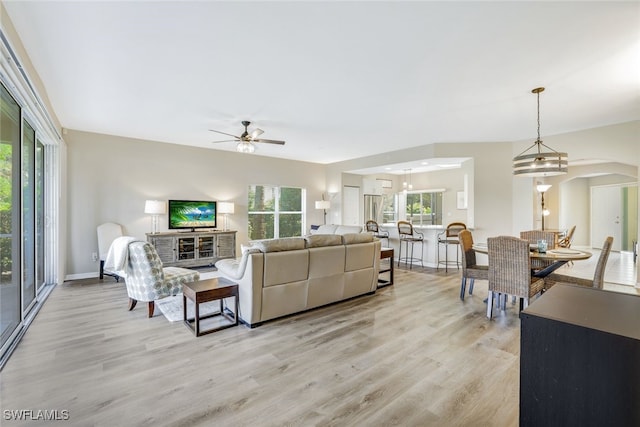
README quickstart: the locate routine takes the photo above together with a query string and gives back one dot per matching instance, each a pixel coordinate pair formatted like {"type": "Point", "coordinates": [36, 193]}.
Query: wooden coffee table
{"type": "Point", "coordinates": [206, 291]}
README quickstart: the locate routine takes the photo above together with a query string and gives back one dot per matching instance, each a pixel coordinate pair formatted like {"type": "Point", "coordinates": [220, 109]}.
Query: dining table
{"type": "Point", "coordinates": [558, 256]}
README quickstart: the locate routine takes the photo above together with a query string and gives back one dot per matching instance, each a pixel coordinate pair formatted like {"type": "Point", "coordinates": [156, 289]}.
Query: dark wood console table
{"type": "Point", "coordinates": [580, 359]}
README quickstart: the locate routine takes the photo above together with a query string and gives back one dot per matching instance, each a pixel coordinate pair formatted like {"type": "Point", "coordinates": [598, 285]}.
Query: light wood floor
{"type": "Point", "coordinates": [412, 354]}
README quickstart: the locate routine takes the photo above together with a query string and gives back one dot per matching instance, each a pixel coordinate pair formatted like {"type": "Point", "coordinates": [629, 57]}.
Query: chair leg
{"type": "Point", "coordinates": [490, 304]}
{"type": "Point", "coordinates": [446, 257]}
{"type": "Point", "coordinates": [471, 286]}
{"type": "Point", "coordinates": [132, 303]}
{"type": "Point", "coordinates": [152, 306]}
{"type": "Point", "coordinates": [101, 269]}
{"type": "Point", "coordinates": [399, 252]}
{"type": "Point", "coordinates": [463, 286]}
{"type": "Point", "coordinates": [411, 260]}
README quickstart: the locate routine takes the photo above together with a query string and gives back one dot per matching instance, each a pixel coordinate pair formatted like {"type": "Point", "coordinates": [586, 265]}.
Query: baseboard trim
{"type": "Point", "coordinates": [80, 276]}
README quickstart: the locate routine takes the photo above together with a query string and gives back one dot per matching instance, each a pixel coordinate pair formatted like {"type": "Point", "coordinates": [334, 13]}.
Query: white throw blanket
{"type": "Point", "coordinates": [118, 255]}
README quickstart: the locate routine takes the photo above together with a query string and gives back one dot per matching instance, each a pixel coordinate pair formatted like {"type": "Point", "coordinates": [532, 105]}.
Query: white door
{"type": "Point", "coordinates": [351, 207]}
{"type": "Point", "coordinates": [606, 215]}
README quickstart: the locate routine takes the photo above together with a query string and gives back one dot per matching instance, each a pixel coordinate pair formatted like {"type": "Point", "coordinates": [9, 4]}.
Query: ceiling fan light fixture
{"type": "Point", "coordinates": [245, 147]}
{"type": "Point", "coordinates": [245, 142]}
{"type": "Point", "coordinates": [539, 163]}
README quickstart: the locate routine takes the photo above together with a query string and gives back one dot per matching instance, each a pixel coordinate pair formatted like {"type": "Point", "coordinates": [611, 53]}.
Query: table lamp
{"type": "Point", "coordinates": [226, 208]}
{"type": "Point", "coordinates": [155, 208]}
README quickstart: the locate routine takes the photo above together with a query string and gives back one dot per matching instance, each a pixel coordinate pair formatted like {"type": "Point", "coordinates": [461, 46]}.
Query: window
{"type": "Point", "coordinates": [424, 208]}
{"type": "Point", "coordinates": [275, 212]}
{"type": "Point", "coordinates": [388, 208]}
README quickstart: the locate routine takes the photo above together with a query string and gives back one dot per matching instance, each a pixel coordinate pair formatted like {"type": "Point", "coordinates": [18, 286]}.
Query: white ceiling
{"type": "Point", "coordinates": [336, 80]}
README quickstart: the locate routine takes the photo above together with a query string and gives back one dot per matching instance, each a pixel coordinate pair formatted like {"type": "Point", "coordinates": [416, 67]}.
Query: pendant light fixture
{"type": "Point", "coordinates": [407, 185]}
{"type": "Point", "coordinates": [539, 162]}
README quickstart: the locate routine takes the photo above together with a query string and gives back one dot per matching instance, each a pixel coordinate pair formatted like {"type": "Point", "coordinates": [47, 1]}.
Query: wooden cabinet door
{"type": "Point", "coordinates": [226, 245]}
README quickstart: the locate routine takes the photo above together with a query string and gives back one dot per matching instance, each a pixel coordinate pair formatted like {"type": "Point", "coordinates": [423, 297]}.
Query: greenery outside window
{"type": "Point", "coordinates": [424, 208]}
{"type": "Point", "coordinates": [275, 212]}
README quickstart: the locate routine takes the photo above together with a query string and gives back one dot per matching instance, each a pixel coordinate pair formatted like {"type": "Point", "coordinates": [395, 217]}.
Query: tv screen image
{"type": "Point", "coordinates": [192, 214]}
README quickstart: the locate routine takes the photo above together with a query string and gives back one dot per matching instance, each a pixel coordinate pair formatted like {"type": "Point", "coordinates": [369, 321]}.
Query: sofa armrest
{"type": "Point", "coordinates": [249, 285]}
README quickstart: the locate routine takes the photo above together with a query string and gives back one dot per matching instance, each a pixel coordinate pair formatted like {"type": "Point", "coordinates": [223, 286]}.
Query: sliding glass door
{"type": "Point", "coordinates": [22, 214]}
{"type": "Point", "coordinates": [10, 289]}
{"type": "Point", "coordinates": [28, 216]}
{"type": "Point", "coordinates": [40, 215]}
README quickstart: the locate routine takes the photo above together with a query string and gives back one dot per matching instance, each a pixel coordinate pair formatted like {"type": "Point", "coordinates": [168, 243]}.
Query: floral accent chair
{"type": "Point", "coordinates": [147, 280]}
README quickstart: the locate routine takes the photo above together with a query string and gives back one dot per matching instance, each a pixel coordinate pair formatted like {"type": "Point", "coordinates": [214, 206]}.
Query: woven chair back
{"type": "Point", "coordinates": [598, 276]}
{"type": "Point", "coordinates": [466, 245]}
{"type": "Point", "coordinates": [532, 236]}
{"type": "Point", "coordinates": [509, 265]}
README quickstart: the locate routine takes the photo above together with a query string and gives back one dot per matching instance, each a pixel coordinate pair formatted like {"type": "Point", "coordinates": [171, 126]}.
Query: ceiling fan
{"type": "Point", "coordinates": [247, 139]}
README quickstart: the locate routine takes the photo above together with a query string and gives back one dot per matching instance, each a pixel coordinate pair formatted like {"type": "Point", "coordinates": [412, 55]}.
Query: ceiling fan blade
{"type": "Point", "coordinates": [270, 141]}
{"type": "Point", "coordinates": [256, 133]}
{"type": "Point", "coordinates": [224, 133]}
{"type": "Point", "coordinates": [226, 140]}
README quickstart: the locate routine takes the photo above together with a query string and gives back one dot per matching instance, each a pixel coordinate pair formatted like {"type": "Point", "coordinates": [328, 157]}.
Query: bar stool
{"type": "Point", "coordinates": [408, 235]}
{"type": "Point", "coordinates": [449, 236]}
{"type": "Point", "coordinates": [372, 227]}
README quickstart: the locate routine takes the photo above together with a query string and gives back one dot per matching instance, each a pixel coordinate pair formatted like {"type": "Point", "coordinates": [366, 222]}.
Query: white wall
{"type": "Point", "coordinates": [110, 177]}
{"type": "Point", "coordinates": [575, 208]}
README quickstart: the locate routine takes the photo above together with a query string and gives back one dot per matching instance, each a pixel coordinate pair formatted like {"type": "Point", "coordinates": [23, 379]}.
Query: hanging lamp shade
{"type": "Point", "coordinates": [539, 159]}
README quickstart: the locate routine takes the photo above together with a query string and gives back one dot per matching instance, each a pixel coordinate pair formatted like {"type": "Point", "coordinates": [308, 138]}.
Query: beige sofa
{"type": "Point", "coordinates": [278, 277]}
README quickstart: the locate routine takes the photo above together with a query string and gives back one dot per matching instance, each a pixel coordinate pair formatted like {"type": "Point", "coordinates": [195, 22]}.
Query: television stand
{"type": "Point", "coordinates": [193, 248]}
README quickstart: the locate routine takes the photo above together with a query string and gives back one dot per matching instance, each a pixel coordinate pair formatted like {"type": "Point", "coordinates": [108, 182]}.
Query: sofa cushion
{"type": "Point", "coordinates": [285, 267]}
{"type": "Point", "coordinates": [346, 229]}
{"type": "Point", "coordinates": [326, 229]}
{"type": "Point", "coordinates": [278, 245]}
{"type": "Point", "coordinates": [318, 240]}
{"type": "Point", "coordinates": [353, 238]}
{"type": "Point", "coordinates": [359, 256]}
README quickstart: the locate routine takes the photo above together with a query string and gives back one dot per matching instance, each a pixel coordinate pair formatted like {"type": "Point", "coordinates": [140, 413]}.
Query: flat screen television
{"type": "Point", "coordinates": [192, 214]}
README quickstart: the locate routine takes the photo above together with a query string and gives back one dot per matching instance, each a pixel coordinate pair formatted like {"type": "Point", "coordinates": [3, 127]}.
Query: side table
{"type": "Point", "coordinates": [384, 254]}
{"type": "Point", "coordinates": [206, 291]}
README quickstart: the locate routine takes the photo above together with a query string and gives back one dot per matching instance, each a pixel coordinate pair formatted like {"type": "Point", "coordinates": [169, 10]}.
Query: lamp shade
{"type": "Point", "coordinates": [323, 204]}
{"type": "Point", "coordinates": [226, 207]}
{"type": "Point", "coordinates": [155, 207]}
{"type": "Point", "coordinates": [245, 147]}
{"type": "Point", "coordinates": [543, 187]}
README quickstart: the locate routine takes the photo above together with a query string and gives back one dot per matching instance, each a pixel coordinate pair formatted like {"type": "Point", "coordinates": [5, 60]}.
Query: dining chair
{"type": "Point", "coordinates": [598, 276]}
{"type": "Point", "coordinates": [470, 270]}
{"type": "Point", "coordinates": [408, 235]}
{"type": "Point", "coordinates": [565, 242]}
{"type": "Point", "coordinates": [532, 236]}
{"type": "Point", "coordinates": [510, 271]}
{"type": "Point", "coordinates": [449, 236]}
{"type": "Point", "coordinates": [371, 226]}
